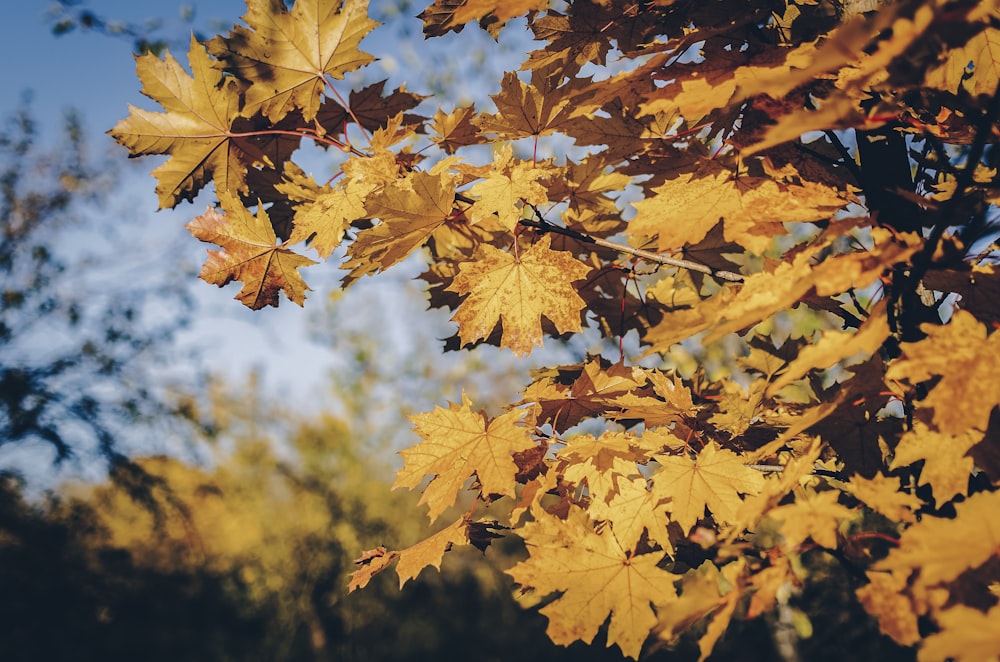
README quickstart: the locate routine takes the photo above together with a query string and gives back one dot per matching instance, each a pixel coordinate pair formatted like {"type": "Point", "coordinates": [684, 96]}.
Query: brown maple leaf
{"type": "Point", "coordinates": [249, 254]}
{"type": "Point", "coordinates": [517, 291]}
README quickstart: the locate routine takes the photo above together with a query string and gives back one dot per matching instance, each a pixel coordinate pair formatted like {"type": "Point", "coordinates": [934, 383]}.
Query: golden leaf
{"type": "Point", "coordinates": [683, 210]}
{"type": "Point", "coordinates": [966, 635]}
{"type": "Point", "coordinates": [431, 550]}
{"type": "Point", "coordinates": [816, 516]}
{"type": "Point", "coordinates": [884, 495]}
{"type": "Point", "coordinates": [714, 479]}
{"type": "Point", "coordinates": [507, 187]}
{"type": "Point", "coordinates": [287, 55]}
{"type": "Point", "coordinates": [596, 576]}
{"type": "Point", "coordinates": [196, 129]}
{"type": "Point", "coordinates": [963, 354]}
{"type": "Point", "coordinates": [249, 254]}
{"type": "Point", "coordinates": [457, 444]}
{"type": "Point", "coordinates": [946, 466]}
{"type": "Point", "coordinates": [517, 291]}
{"type": "Point", "coordinates": [453, 130]}
{"type": "Point", "coordinates": [941, 549]}
{"type": "Point", "coordinates": [410, 211]}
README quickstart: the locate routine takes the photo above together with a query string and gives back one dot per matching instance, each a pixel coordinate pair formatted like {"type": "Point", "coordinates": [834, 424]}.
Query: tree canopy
{"type": "Point", "coordinates": [775, 219]}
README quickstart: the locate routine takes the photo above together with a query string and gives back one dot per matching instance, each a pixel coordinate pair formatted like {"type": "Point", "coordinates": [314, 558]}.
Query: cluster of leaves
{"type": "Point", "coordinates": [818, 182]}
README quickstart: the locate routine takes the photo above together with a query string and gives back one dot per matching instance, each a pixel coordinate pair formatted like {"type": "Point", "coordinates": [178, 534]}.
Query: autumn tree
{"type": "Point", "coordinates": [814, 189]}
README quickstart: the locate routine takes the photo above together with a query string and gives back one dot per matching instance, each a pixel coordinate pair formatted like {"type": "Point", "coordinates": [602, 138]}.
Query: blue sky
{"type": "Point", "coordinates": [90, 72]}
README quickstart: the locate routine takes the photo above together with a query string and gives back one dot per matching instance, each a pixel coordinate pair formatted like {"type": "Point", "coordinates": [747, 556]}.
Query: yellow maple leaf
{"type": "Point", "coordinates": [941, 549]}
{"type": "Point", "coordinates": [683, 210]}
{"type": "Point", "coordinates": [517, 291]}
{"type": "Point", "coordinates": [458, 443]}
{"type": "Point", "coordinates": [502, 10]}
{"type": "Point", "coordinates": [196, 129]}
{"type": "Point", "coordinates": [884, 598]}
{"type": "Point", "coordinates": [413, 559]}
{"type": "Point", "coordinates": [946, 466]}
{"type": "Point", "coordinates": [249, 254]}
{"type": "Point", "coordinates": [963, 354]}
{"type": "Point", "coordinates": [430, 551]}
{"type": "Point", "coordinates": [714, 479]}
{"type": "Point", "coordinates": [966, 635]}
{"type": "Point", "coordinates": [596, 577]}
{"type": "Point", "coordinates": [508, 186]}
{"type": "Point", "coordinates": [287, 54]}
{"type": "Point", "coordinates": [816, 516]}
{"type": "Point", "coordinates": [974, 67]}
{"type": "Point", "coordinates": [633, 510]}
{"type": "Point", "coordinates": [410, 211]}
{"type": "Point", "coordinates": [884, 495]}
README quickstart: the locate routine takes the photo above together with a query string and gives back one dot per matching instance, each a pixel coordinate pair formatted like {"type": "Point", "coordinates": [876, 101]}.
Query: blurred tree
{"type": "Point", "coordinates": [76, 339]}
{"type": "Point", "coordinates": [246, 561]}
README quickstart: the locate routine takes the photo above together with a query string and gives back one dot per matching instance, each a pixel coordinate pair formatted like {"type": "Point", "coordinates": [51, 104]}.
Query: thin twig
{"type": "Point", "coordinates": [544, 226]}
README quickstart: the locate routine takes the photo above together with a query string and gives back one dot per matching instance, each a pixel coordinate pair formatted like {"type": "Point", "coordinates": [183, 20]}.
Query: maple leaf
{"type": "Point", "coordinates": [816, 516]}
{"type": "Point", "coordinates": [517, 291]}
{"type": "Point", "coordinates": [410, 212]}
{"type": "Point", "coordinates": [502, 10]}
{"type": "Point", "coordinates": [457, 444]}
{"type": "Point", "coordinates": [715, 479]}
{"type": "Point", "coordinates": [962, 353]}
{"type": "Point", "coordinates": [196, 129]}
{"type": "Point", "coordinates": [287, 55]}
{"type": "Point", "coordinates": [596, 577]}
{"type": "Point", "coordinates": [592, 394]}
{"type": "Point", "coordinates": [524, 110]}
{"type": "Point", "coordinates": [249, 254]}
{"type": "Point", "coordinates": [369, 107]}
{"type": "Point", "coordinates": [633, 510]}
{"type": "Point", "coordinates": [884, 599]}
{"type": "Point", "coordinates": [508, 186]}
{"type": "Point", "coordinates": [966, 635]}
{"type": "Point", "coordinates": [930, 548]}
{"type": "Point", "coordinates": [455, 129]}
{"type": "Point", "coordinates": [883, 494]}
{"type": "Point", "coordinates": [413, 559]}
{"type": "Point", "coordinates": [430, 551]}
{"type": "Point", "coordinates": [682, 211]}
{"type": "Point", "coordinates": [947, 466]}
{"type": "Point", "coordinates": [974, 66]}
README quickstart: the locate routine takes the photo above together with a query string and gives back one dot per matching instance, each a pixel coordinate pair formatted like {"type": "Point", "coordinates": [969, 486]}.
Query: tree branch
{"type": "Point", "coordinates": [544, 226]}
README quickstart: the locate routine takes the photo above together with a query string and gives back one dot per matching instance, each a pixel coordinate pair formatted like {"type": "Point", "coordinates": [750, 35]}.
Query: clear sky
{"type": "Point", "coordinates": [90, 72]}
